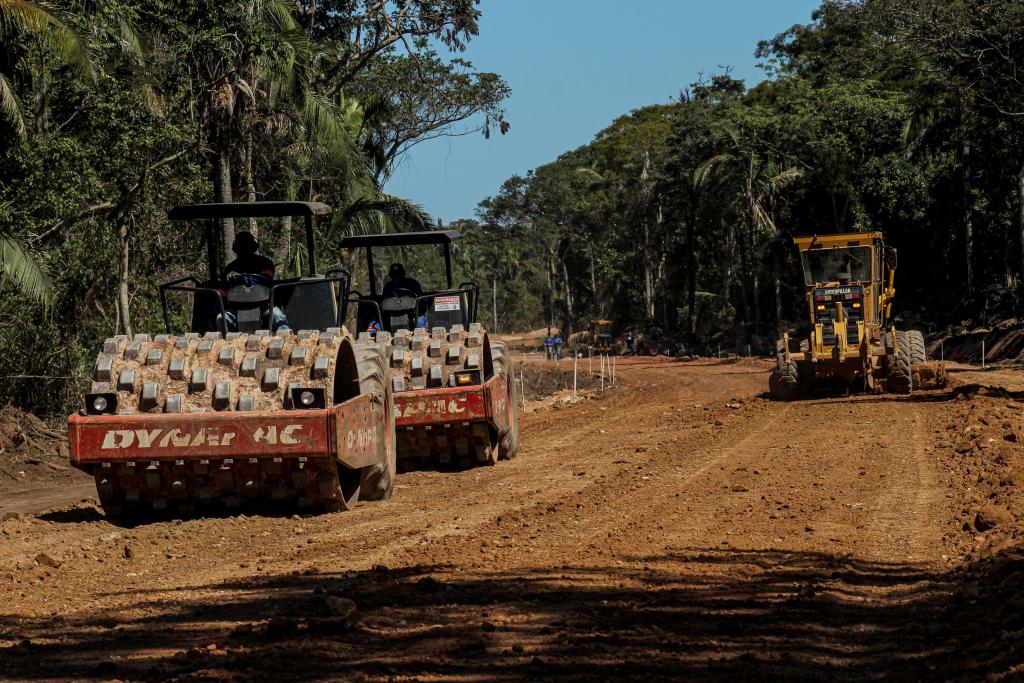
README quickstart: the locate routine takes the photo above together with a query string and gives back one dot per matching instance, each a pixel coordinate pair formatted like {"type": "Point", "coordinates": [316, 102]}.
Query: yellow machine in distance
{"type": "Point", "coordinates": [851, 340]}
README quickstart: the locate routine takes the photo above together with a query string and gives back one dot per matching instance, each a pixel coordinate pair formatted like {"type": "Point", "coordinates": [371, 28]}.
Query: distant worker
{"type": "Point", "coordinates": [397, 280]}
{"type": "Point", "coordinates": [549, 347]}
{"type": "Point", "coordinates": [630, 344]}
{"type": "Point", "coordinates": [249, 268]}
{"type": "Point", "coordinates": [558, 347]}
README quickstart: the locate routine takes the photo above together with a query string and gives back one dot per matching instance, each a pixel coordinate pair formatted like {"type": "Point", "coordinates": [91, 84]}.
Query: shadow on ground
{"type": "Point", "coordinates": [690, 615]}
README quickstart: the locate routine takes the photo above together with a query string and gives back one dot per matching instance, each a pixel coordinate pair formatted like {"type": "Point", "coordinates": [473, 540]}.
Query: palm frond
{"type": "Point", "coordinates": [25, 272]}
{"type": "Point", "coordinates": [783, 179]}
{"type": "Point", "coordinates": [11, 108]}
{"type": "Point", "coordinates": [46, 23]}
{"type": "Point", "coordinates": [708, 168]}
{"type": "Point", "coordinates": [379, 213]}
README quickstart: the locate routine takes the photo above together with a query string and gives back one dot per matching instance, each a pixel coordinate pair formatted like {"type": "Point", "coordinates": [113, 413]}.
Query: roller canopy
{"type": "Point", "coordinates": [399, 239]}
{"type": "Point", "coordinates": [195, 212]}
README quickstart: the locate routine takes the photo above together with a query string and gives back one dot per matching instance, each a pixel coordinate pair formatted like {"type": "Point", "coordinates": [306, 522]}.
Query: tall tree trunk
{"type": "Point", "coordinates": [645, 261]}
{"type": "Point", "coordinates": [250, 184]}
{"type": "Point", "coordinates": [1020, 229]}
{"type": "Point", "coordinates": [777, 263]}
{"type": "Point", "coordinates": [42, 122]}
{"type": "Point", "coordinates": [568, 315]}
{"type": "Point", "coordinates": [691, 280]}
{"type": "Point", "coordinates": [223, 193]}
{"type": "Point", "coordinates": [730, 258]}
{"type": "Point", "coordinates": [551, 291]}
{"type": "Point", "coordinates": [598, 299]}
{"type": "Point", "coordinates": [968, 217]}
{"type": "Point", "coordinates": [122, 278]}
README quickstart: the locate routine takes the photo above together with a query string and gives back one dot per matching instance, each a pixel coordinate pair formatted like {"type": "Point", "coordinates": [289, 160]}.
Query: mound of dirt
{"type": "Point", "coordinates": [542, 380]}
{"type": "Point", "coordinates": [32, 454]}
{"type": "Point", "coordinates": [984, 448]}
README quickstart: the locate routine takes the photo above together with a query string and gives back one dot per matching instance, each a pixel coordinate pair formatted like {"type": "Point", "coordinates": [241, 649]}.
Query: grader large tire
{"type": "Point", "coordinates": [378, 481]}
{"type": "Point", "coordinates": [220, 373]}
{"type": "Point", "coordinates": [784, 382]}
{"type": "Point", "coordinates": [918, 351]}
{"type": "Point", "coordinates": [900, 377]}
{"type": "Point", "coordinates": [508, 440]}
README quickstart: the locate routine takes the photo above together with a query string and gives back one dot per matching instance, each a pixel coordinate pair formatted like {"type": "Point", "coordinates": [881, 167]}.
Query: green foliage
{"type": "Point", "coordinates": [115, 111]}
{"type": "Point", "coordinates": [879, 114]}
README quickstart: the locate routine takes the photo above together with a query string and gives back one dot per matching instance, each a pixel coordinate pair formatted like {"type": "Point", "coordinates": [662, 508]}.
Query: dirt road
{"type": "Point", "coordinates": [680, 526]}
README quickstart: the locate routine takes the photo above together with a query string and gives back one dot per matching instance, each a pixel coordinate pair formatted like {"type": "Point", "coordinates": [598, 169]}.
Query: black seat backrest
{"type": "Point", "coordinates": [444, 309]}
{"type": "Point", "coordinates": [399, 313]}
{"type": "Point", "coordinates": [312, 306]}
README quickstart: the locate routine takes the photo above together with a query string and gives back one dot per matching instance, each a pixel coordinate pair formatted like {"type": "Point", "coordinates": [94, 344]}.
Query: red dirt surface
{"type": "Point", "coordinates": [679, 526]}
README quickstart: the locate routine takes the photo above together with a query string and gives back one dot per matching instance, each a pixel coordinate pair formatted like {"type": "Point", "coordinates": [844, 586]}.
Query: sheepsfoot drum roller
{"type": "Point", "coordinates": [455, 398]}
{"type": "Point", "coordinates": [850, 340]}
{"type": "Point", "coordinates": [235, 415]}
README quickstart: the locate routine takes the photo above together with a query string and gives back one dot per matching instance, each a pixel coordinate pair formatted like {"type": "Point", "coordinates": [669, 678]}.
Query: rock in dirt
{"type": "Point", "coordinates": [340, 608]}
{"type": "Point", "coordinates": [991, 516]}
{"type": "Point", "coordinates": [47, 560]}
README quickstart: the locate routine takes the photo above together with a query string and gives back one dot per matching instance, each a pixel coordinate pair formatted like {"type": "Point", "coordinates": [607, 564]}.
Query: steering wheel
{"type": "Point", "coordinates": [395, 293]}
{"type": "Point", "coordinates": [250, 279]}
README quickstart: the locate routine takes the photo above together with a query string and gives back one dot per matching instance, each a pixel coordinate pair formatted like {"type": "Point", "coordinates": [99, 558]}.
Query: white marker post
{"type": "Point", "coordinates": [522, 389]}
{"type": "Point", "coordinates": [601, 362]}
{"type": "Point", "coordinates": [982, 354]}
{"type": "Point", "coordinates": [575, 357]}
{"type": "Point", "coordinates": [590, 361]}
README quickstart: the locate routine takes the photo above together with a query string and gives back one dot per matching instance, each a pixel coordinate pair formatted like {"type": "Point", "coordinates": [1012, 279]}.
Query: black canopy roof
{"type": "Point", "coordinates": [195, 212]}
{"type": "Point", "coordinates": [399, 239]}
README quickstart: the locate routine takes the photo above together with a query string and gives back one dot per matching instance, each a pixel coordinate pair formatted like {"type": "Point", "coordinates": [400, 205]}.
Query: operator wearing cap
{"type": "Point", "coordinates": [397, 280]}
{"type": "Point", "coordinates": [248, 262]}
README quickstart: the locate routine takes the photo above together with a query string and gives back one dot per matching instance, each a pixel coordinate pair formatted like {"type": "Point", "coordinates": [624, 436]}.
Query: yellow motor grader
{"type": "Point", "coordinates": [851, 340]}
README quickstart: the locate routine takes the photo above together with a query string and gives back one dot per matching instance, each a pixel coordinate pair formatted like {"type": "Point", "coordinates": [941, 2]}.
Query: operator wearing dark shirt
{"type": "Point", "coordinates": [397, 280]}
{"type": "Point", "coordinates": [247, 261]}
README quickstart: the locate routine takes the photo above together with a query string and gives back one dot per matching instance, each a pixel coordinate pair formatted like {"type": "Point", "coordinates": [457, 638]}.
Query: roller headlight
{"type": "Point", "coordinates": [100, 404]}
{"type": "Point", "coordinates": [308, 398]}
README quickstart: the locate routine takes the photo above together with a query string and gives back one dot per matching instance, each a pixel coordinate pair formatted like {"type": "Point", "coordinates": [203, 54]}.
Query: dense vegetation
{"type": "Point", "coordinates": [113, 111]}
{"type": "Point", "coordinates": [900, 115]}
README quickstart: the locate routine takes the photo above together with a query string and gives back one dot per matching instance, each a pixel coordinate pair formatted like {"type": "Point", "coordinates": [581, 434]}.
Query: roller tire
{"type": "Point", "coordinates": [918, 351]}
{"type": "Point", "coordinates": [508, 440]}
{"type": "Point", "coordinates": [377, 481]}
{"type": "Point", "coordinates": [900, 379]}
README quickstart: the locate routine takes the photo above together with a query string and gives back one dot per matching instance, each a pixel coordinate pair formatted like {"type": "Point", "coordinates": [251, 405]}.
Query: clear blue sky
{"type": "Point", "coordinates": [576, 65]}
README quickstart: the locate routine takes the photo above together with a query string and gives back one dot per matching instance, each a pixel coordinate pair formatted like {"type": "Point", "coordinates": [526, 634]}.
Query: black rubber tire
{"type": "Point", "coordinates": [784, 382]}
{"type": "Point", "coordinates": [508, 441]}
{"type": "Point", "coordinates": [900, 377]}
{"type": "Point", "coordinates": [918, 351]}
{"type": "Point", "coordinates": [377, 482]}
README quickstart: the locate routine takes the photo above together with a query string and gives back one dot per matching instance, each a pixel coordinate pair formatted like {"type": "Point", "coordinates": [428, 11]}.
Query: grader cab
{"type": "Point", "coordinates": [850, 340]}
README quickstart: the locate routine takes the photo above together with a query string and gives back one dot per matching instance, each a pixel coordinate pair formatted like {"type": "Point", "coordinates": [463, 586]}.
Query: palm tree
{"type": "Point", "coordinates": [759, 181]}
{"type": "Point", "coordinates": [35, 24]}
{"type": "Point", "coordinates": [20, 267]}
